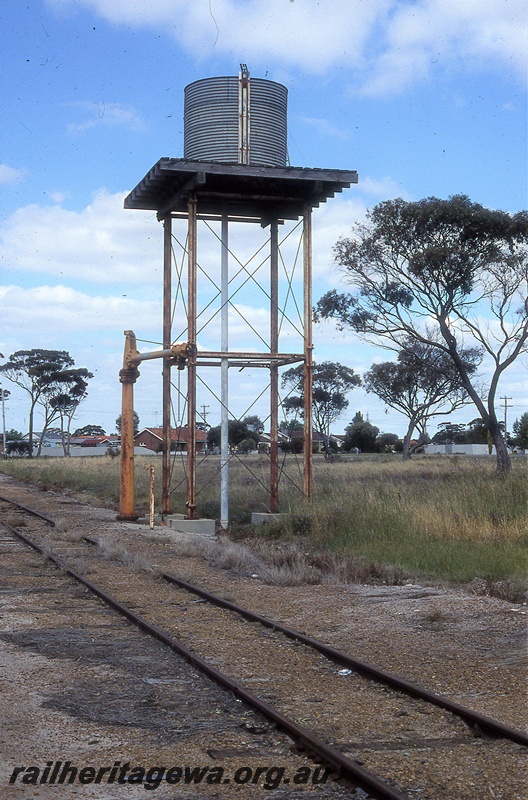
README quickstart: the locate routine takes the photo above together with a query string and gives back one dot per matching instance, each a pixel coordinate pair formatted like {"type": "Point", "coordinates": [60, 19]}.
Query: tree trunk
{"type": "Point", "coordinates": [67, 452]}
{"type": "Point", "coordinates": [30, 432]}
{"type": "Point", "coordinates": [501, 449]}
{"type": "Point", "coordinates": [407, 440]}
{"type": "Point", "coordinates": [329, 456]}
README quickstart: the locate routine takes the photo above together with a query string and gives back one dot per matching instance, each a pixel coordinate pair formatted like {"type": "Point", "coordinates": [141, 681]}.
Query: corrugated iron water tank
{"type": "Point", "coordinates": [214, 113]}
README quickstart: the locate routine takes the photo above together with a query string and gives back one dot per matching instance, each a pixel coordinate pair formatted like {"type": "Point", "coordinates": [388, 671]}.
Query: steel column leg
{"type": "Point", "coordinates": [190, 512]}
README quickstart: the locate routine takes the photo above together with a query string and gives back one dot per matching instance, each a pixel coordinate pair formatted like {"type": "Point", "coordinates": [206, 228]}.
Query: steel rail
{"type": "Point", "coordinates": [46, 519]}
{"type": "Point", "coordinates": [481, 723]}
{"type": "Point", "coordinates": [345, 768]}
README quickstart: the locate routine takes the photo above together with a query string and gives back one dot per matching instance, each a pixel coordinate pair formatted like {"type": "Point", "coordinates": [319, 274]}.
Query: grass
{"type": "Point", "coordinates": [447, 518]}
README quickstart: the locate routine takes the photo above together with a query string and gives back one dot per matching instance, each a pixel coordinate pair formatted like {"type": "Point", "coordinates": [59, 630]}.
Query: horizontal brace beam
{"type": "Point", "coordinates": [269, 357]}
{"type": "Point", "coordinates": [247, 364]}
{"type": "Point", "coordinates": [194, 183]}
{"type": "Point", "coordinates": [210, 217]}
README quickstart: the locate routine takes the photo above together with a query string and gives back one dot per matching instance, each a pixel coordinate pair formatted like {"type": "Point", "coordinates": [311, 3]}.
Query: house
{"type": "Point", "coordinates": [317, 440]}
{"type": "Point", "coordinates": [152, 439]}
{"type": "Point", "coordinates": [95, 441]}
{"type": "Point", "coordinates": [50, 438]}
{"type": "Point", "coordinates": [265, 440]}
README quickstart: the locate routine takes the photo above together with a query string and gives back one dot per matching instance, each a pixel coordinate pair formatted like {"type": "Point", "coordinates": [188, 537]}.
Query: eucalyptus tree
{"type": "Point", "coordinates": [71, 390]}
{"type": "Point", "coordinates": [34, 371]}
{"type": "Point", "coordinates": [449, 274]}
{"type": "Point", "coordinates": [421, 384]}
{"type": "Point", "coordinates": [331, 382]}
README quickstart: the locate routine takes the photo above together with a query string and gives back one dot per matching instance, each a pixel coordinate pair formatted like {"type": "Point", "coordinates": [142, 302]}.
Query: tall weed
{"type": "Point", "coordinates": [450, 518]}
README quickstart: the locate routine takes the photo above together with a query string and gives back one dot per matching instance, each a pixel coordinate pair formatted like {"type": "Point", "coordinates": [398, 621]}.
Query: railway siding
{"type": "Point", "coordinates": [401, 739]}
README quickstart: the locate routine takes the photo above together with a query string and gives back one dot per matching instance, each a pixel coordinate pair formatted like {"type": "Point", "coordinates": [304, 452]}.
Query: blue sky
{"type": "Point", "coordinates": [421, 98]}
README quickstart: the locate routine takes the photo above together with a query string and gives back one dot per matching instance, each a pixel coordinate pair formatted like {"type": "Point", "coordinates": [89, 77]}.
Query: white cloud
{"type": "Point", "coordinates": [474, 33]}
{"type": "Point", "coordinates": [10, 175]}
{"type": "Point", "coordinates": [58, 197]}
{"type": "Point", "coordinates": [387, 45]}
{"type": "Point", "coordinates": [103, 243]}
{"type": "Point", "coordinates": [59, 311]}
{"type": "Point", "coordinates": [330, 222]}
{"type": "Point", "coordinates": [108, 115]}
{"type": "Point", "coordinates": [325, 128]}
{"type": "Point", "coordinates": [303, 33]}
{"type": "Point", "coordinates": [383, 189]}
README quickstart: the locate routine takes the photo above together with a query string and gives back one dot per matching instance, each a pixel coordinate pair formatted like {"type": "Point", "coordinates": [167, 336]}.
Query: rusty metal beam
{"type": "Point", "coordinates": [266, 358]}
{"type": "Point", "coordinates": [128, 376]}
{"type": "Point", "coordinates": [190, 511]}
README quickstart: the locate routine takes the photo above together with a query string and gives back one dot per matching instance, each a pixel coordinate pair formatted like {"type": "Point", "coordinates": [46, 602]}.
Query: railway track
{"type": "Point", "coordinates": [349, 682]}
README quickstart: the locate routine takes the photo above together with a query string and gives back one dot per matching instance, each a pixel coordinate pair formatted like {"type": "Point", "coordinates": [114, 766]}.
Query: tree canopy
{"type": "Point", "coordinates": [254, 425]}
{"type": "Point", "coordinates": [449, 274]}
{"type": "Point", "coordinates": [238, 432]}
{"type": "Point", "coordinates": [421, 384]}
{"type": "Point", "coordinates": [136, 423]}
{"type": "Point", "coordinates": [70, 391]}
{"type": "Point", "coordinates": [47, 375]}
{"type": "Point", "coordinates": [520, 429]}
{"type": "Point", "coordinates": [90, 430]}
{"type": "Point", "coordinates": [361, 434]}
{"type": "Point", "coordinates": [331, 384]}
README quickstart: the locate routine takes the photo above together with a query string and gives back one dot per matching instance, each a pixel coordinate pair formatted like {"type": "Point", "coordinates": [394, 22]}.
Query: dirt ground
{"type": "Point", "coordinates": [79, 684]}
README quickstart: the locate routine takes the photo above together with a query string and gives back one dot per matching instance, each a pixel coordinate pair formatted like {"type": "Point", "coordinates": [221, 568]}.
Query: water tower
{"type": "Point", "coordinates": [234, 171]}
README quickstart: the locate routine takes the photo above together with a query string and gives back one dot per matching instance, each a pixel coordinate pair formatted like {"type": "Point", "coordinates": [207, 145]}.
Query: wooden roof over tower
{"type": "Point", "coordinates": [245, 191]}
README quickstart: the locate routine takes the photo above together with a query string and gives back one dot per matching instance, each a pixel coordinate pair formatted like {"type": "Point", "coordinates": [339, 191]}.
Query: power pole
{"type": "Point", "coordinates": [204, 414]}
{"type": "Point", "coordinates": [506, 413]}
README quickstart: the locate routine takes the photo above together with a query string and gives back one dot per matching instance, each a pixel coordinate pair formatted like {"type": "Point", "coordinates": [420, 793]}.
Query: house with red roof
{"type": "Point", "coordinates": [152, 439]}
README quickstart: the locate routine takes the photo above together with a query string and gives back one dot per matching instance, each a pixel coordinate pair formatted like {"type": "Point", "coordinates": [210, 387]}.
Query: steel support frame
{"type": "Point", "coordinates": [275, 358]}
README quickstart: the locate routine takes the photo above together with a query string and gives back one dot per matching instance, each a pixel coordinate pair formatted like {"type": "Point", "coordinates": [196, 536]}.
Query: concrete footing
{"type": "Point", "coordinates": [261, 518]}
{"type": "Point", "coordinates": [178, 522]}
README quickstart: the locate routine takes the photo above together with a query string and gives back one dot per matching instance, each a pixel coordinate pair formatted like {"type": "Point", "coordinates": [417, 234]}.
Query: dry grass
{"type": "Point", "coordinates": [115, 551]}
{"type": "Point", "coordinates": [287, 564]}
{"type": "Point", "coordinates": [376, 518]}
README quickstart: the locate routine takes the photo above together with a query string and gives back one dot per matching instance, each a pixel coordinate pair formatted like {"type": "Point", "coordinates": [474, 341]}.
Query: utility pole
{"type": "Point", "coordinates": [204, 414]}
{"type": "Point", "coordinates": [506, 413]}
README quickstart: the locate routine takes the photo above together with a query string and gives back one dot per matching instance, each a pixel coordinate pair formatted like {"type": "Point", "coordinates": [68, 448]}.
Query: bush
{"type": "Point", "coordinates": [247, 446]}
{"type": "Point", "coordinates": [18, 448]}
